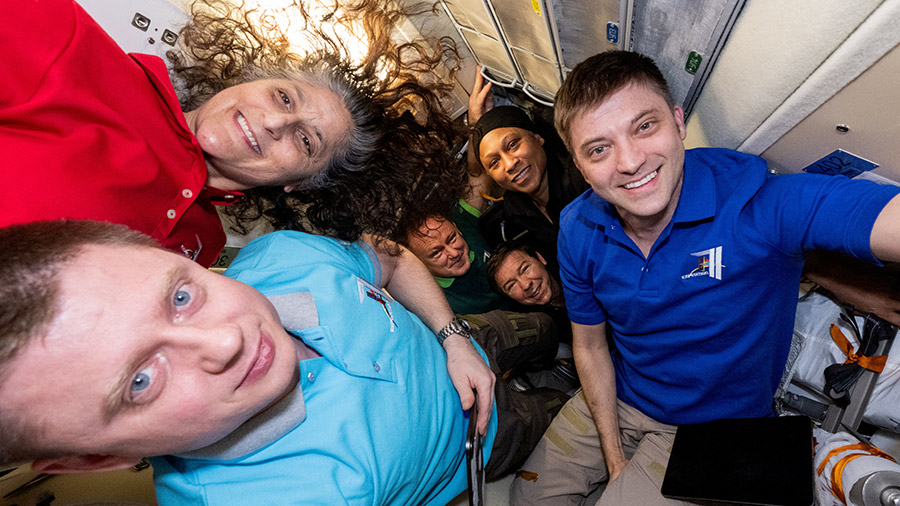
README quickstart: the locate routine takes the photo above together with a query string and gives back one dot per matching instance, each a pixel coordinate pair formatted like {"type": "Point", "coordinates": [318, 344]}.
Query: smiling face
{"type": "Point", "coordinates": [441, 247]}
{"type": "Point", "coordinates": [630, 149]}
{"type": "Point", "coordinates": [525, 279]}
{"type": "Point", "coordinates": [271, 132]}
{"type": "Point", "coordinates": [149, 354]}
{"type": "Point", "coordinates": [515, 159]}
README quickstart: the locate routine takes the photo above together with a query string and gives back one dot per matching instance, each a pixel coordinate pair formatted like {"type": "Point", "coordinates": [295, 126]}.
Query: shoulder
{"type": "Point", "coordinates": [732, 175]}
{"type": "Point", "coordinates": [588, 204]}
{"type": "Point", "coordinates": [285, 250]}
{"type": "Point", "coordinates": [514, 202]}
{"type": "Point", "coordinates": [728, 167]}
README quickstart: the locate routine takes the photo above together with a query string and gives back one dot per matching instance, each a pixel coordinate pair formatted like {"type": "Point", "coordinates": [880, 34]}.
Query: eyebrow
{"type": "Point", "coordinates": [493, 152]}
{"type": "Point", "coordinates": [637, 117]}
{"type": "Point", "coordinates": [505, 285]}
{"type": "Point", "coordinates": [112, 404]}
{"type": "Point", "coordinates": [522, 265]}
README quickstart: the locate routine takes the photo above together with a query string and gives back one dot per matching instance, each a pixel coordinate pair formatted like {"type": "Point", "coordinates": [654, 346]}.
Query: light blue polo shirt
{"type": "Point", "coordinates": [703, 324]}
{"type": "Point", "coordinates": [383, 421]}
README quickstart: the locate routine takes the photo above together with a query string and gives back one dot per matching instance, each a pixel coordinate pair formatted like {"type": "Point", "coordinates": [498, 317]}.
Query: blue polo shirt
{"type": "Point", "coordinates": [383, 421]}
{"type": "Point", "coordinates": [702, 326]}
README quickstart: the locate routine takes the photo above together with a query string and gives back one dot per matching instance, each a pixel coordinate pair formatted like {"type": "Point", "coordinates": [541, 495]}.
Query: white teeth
{"type": "Point", "coordinates": [642, 182]}
{"type": "Point", "coordinates": [520, 174]}
{"type": "Point", "coordinates": [243, 122]}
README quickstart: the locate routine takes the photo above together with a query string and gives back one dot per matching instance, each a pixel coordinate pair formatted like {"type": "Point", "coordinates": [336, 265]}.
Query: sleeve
{"type": "Point", "coordinates": [574, 271]}
{"type": "Point", "coordinates": [32, 36]}
{"type": "Point", "coordinates": [819, 212]}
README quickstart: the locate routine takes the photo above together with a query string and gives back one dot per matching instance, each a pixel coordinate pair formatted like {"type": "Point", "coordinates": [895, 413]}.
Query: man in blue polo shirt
{"type": "Point", "coordinates": [690, 262]}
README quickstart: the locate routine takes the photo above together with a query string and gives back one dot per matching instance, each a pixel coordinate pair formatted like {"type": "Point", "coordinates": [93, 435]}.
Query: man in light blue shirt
{"type": "Point", "coordinates": [324, 391]}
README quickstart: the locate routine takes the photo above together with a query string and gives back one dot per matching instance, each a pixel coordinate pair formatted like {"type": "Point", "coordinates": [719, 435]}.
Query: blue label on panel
{"type": "Point", "coordinates": [612, 32]}
{"type": "Point", "coordinates": [841, 163]}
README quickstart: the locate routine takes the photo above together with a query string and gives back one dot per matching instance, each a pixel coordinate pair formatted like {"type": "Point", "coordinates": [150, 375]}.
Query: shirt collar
{"type": "Point", "coordinates": [221, 197]}
{"type": "Point", "coordinates": [698, 191]}
{"type": "Point", "coordinates": [469, 208]}
{"type": "Point", "coordinates": [446, 282]}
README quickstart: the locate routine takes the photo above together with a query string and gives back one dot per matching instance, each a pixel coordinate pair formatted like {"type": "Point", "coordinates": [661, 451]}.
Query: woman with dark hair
{"type": "Point", "coordinates": [91, 132]}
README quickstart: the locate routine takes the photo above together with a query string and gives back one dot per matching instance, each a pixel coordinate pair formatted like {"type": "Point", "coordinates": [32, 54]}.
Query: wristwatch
{"type": "Point", "coordinates": [456, 326]}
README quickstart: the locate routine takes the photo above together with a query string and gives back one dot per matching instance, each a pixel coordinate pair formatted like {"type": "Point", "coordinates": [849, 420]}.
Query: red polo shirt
{"type": "Point", "coordinates": [89, 132]}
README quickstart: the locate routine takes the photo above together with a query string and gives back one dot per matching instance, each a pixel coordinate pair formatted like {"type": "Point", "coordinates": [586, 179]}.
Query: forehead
{"type": "Point", "coordinates": [493, 140]}
{"type": "Point", "coordinates": [510, 264]}
{"type": "Point", "coordinates": [316, 98]}
{"type": "Point", "coordinates": [117, 281]}
{"type": "Point", "coordinates": [623, 103]}
{"type": "Point", "coordinates": [434, 230]}
{"type": "Point", "coordinates": [99, 265]}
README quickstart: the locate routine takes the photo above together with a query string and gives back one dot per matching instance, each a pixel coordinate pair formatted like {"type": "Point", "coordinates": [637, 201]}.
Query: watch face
{"type": "Point", "coordinates": [456, 326]}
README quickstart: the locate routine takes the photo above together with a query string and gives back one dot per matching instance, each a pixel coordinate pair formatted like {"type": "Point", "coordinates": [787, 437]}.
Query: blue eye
{"type": "Point", "coordinates": [181, 298]}
{"type": "Point", "coordinates": [141, 380]}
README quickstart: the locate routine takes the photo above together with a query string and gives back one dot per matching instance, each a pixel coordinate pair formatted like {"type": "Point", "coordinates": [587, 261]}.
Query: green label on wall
{"type": "Point", "coordinates": [693, 62]}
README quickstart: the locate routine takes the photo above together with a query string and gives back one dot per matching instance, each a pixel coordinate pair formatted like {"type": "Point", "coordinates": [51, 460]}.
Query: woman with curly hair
{"type": "Point", "coordinates": [91, 132]}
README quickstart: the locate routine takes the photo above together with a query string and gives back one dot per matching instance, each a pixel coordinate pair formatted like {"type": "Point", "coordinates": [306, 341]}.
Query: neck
{"type": "Point", "coordinates": [557, 299]}
{"type": "Point", "coordinates": [644, 230]}
{"type": "Point", "coordinates": [304, 352]}
{"type": "Point", "coordinates": [191, 118]}
{"type": "Point", "coordinates": [541, 196]}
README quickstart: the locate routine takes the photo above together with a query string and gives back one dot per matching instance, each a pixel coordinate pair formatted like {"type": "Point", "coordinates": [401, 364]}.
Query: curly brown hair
{"type": "Point", "coordinates": [398, 157]}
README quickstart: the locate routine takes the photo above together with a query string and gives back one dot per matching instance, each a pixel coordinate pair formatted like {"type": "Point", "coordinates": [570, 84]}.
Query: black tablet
{"type": "Point", "coordinates": [766, 461]}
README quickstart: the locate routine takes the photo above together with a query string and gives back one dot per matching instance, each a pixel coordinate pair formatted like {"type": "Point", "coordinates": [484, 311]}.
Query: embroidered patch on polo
{"type": "Point", "coordinates": [370, 291]}
{"type": "Point", "coordinates": [709, 263]}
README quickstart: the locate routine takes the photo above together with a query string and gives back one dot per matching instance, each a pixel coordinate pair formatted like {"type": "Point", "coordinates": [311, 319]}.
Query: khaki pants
{"type": "Point", "coordinates": [567, 466]}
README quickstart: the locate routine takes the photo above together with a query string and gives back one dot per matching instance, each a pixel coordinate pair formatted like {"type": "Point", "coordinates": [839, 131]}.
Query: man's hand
{"type": "Point", "coordinates": [469, 371]}
{"type": "Point", "coordinates": [481, 100]}
{"type": "Point", "coordinates": [615, 464]}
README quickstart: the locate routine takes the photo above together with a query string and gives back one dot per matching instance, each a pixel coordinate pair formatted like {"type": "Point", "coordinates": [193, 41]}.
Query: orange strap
{"type": "Point", "coordinates": [837, 471]}
{"type": "Point", "coordinates": [488, 197]}
{"type": "Point", "coordinates": [875, 363]}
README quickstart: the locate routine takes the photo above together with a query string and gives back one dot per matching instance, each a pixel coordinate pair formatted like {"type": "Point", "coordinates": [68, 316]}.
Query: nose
{"type": "Point", "coordinates": [215, 348]}
{"type": "Point", "coordinates": [631, 157]}
{"type": "Point", "coordinates": [452, 253]}
{"type": "Point", "coordinates": [276, 123]}
{"type": "Point", "coordinates": [508, 162]}
{"type": "Point", "coordinates": [524, 285]}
